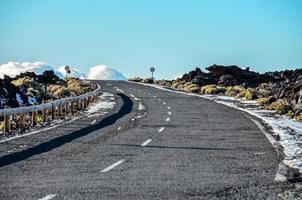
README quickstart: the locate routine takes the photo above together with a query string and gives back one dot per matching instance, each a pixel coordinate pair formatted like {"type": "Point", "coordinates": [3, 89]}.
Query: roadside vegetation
{"type": "Point", "coordinates": [278, 91]}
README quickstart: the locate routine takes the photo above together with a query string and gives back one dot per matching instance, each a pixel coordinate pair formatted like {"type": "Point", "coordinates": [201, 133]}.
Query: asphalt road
{"type": "Point", "coordinates": [154, 144]}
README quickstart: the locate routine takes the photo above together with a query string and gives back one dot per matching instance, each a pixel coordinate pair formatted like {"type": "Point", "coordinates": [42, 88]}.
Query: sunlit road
{"type": "Point", "coordinates": [154, 144]}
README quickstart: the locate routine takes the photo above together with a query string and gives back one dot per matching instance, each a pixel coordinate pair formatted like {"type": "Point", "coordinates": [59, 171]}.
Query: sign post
{"type": "Point", "coordinates": [68, 71]}
{"type": "Point", "coordinates": [152, 69]}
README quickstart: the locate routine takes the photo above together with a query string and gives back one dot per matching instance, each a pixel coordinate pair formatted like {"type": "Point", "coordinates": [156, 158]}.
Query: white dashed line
{"type": "Point", "coordinates": [146, 142]}
{"type": "Point", "coordinates": [159, 99]}
{"type": "Point", "coordinates": [119, 128]}
{"type": "Point", "coordinates": [169, 113]}
{"type": "Point", "coordinates": [154, 96]}
{"type": "Point", "coordinates": [113, 166]}
{"type": "Point", "coordinates": [161, 129]}
{"type": "Point", "coordinates": [169, 107]}
{"type": "Point", "coordinates": [168, 119]}
{"type": "Point", "coordinates": [93, 122]}
{"type": "Point", "coordinates": [164, 103]}
{"type": "Point", "coordinates": [48, 197]}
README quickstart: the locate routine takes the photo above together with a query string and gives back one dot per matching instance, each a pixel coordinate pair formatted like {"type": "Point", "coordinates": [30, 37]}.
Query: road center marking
{"type": "Point", "coordinates": [48, 197]}
{"type": "Point", "coordinates": [113, 166]}
{"type": "Point", "coordinates": [161, 129]}
{"type": "Point", "coordinates": [168, 119]}
{"type": "Point", "coordinates": [146, 142]}
{"type": "Point", "coordinates": [154, 96]}
{"type": "Point", "coordinates": [164, 103]}
{"type": "Point", "coordinates": [169, 107]}
{"type": "Point", "coordinates": [169, 113]}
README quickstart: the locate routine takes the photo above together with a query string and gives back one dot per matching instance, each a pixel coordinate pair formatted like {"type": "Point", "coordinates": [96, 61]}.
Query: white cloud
{"type": "Point", "coordinates": [12, 69]}
{"type": "Point", "coordinates": [103, 72]}
{"type": "Point", "coordinates": [99, 72]}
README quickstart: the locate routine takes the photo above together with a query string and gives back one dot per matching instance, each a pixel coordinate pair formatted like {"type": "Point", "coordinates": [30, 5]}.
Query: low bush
{"type": "Point", "coordinates": [281, 106]}
{"type": "Point", "coordinates": [298, 117]}
{"type": "Point", "coordinates": [233, 91]}
{"type": "Point", "coordinates": [212, 89]}
{"type": "Point", "coordinates": [61, 92]}
{"type": "Point", "coordinates": [191, 87]}
{"type": "Point", "coordinates": [249, 94]}
{"type": "Point", "coordinates": [148, 80]}
{"type": "Point", "coordinates": [1, 126]}
{"type": "Point", "coordinates": [164, 83]}
{"type": "Point", "coordinates": [136, 79]}
{"type": "Point", "coordinates": [176, 84]}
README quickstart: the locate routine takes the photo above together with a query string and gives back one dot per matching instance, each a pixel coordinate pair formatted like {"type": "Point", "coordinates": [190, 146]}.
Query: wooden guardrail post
{"type": "Point", "coordinates": [22, 117]}
{"type": "Point", "coordinates": [44, 114]}
{"type": "Point", "coordinates": [72, 107]}
{"type": "Point", "coordinates": [79, 105]}
{"type": "Point", "coordinates": [6, 123]}
{"type": "Point", "coordinates": [34, 116]}
{"type": "Point", "coordinates": [60, 111]}
{"type": "Point", "coordinates": [53, 113]}
{"type": "Point", "coordinates": [66, 108]}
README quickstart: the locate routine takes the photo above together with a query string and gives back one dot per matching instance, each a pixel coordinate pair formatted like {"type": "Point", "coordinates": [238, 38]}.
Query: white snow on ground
{"type": "Point", "coordinates": [289, 130]}
{"type": "Point", "coordinates": [141, 107]}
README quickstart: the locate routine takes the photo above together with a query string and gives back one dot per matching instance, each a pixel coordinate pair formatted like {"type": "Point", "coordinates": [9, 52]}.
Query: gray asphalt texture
{"type": "Point", "coordinates": [206, 151]}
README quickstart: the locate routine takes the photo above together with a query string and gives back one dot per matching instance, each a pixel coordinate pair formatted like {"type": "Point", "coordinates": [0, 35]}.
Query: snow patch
{"type": "Point", "coordinates": [141, 106]}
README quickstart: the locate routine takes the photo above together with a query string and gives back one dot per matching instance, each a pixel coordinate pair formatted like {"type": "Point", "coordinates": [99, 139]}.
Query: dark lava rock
{"type": "Point", "coordinates": [234, 75]}
{"type": "Point", "coordinates": [27, 74]}
{"type": "Point", "coordinates": [8, 93]}
{"type": "Point", "coordinates": [48, 77]}
{"type": "Point", "coordinates": [200, 78]}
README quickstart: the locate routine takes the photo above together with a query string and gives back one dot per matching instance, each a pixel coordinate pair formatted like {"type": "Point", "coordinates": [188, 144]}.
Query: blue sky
{"type": "Point", "coordinates": [174, 36]}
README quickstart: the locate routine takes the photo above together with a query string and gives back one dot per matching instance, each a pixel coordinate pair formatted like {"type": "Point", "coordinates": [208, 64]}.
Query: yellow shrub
{"type": "Point", "coordinates": [249, 94]}
{"type": "Point", "coordinates": [212, 89]}
{"type": "Point", "coordinates": [299, 117]}
{"type": "Point", "coordinates": [1, 126]}
{"type": "Point", "coordinates": [136, 79]}
{"type": "Point", "coordinates": [280, 106]}
{"type": "Point", "coordinates": [175, 84]}
{"type": "Point", "coordinates": [163, 83]}
{"type": "Point", "coordinates": [233, 91]}
{"type": "Point", "coordinates": [23, 81]}
{"type": "Point", "coordinates": [61, 92]}
{"type": "Point", "coordinates": [190, 87]}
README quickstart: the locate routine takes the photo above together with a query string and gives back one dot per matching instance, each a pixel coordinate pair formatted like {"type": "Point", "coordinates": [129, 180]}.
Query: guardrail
{"type": "Point", "coordinates": [46, 112]}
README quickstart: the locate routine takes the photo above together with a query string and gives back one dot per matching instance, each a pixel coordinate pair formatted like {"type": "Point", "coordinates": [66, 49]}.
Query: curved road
{"type": "Point", "coordinates": [154, 144]}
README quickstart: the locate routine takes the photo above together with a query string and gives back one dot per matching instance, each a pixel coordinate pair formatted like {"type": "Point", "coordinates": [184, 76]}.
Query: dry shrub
{"type": "Point", "coordinates": [164, 83]}
{"type": "Point", "coordinates": [62, 92]}
{"type": "Point", "coordinates": [212, 89]}
{"type": "Point", "coordinates": [281, 106]}
{"type": "Point", "coordinates": [176, 84]}
{"type": "Point", "coordinates": [249, 94]}
{"type": "Point", "coordinates": [28, 81]}
{"type": "Point", "coordinates": [191, 87]}
{"type": "Point", "coordinates": [135, 79]}
{"type": "Point", "coordinates": [233, 91]}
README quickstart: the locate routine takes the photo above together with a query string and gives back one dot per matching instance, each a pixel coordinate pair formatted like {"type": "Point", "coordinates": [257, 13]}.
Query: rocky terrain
{"type": "Point", "coordinates": [280, 91]}
{"type": "Point", "coordinates": [29, 88]}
